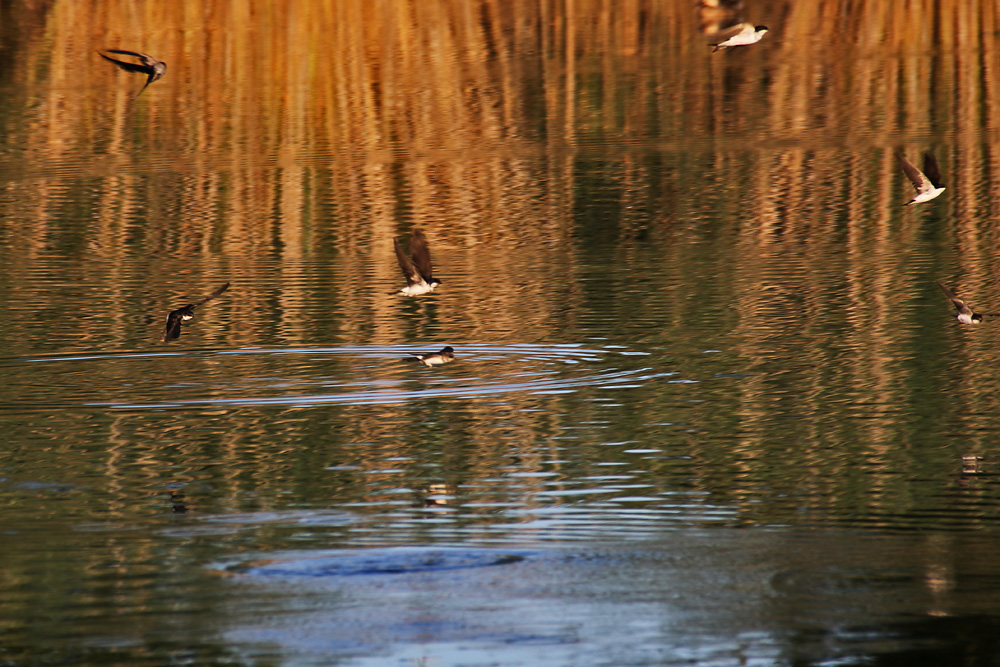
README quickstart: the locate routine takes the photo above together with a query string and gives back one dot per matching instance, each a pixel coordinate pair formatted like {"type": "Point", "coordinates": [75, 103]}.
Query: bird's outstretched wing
{"type": "Point", "coordinates": [147, 60]}
{"type": "Point", "coordinates": [931, 170]}
{"type": "Point", "coordinates": [919, 180]}
{"type": "Point", "coordinates": [124, 64]}
{"type": "Point", "coordinates": [409, 270]}
{"type": "Point", "coordinates": [959, 304]}
{"type": "Point", "coordinates": [421, 255]}
{"type": "Point", "coordinates": [211, 296]}
{"type": "Point", "coordinates": [173, 329]}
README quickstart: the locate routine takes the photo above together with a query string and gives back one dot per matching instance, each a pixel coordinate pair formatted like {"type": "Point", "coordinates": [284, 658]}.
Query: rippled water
{"type": "Point", "coordinates": [350, 375]}
{"type": "Point", "coordinates": [708, 406]}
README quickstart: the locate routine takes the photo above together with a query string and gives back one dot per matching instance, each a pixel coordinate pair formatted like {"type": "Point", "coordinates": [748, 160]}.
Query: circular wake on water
{"type": "Point", "coordinates": [316, 376]}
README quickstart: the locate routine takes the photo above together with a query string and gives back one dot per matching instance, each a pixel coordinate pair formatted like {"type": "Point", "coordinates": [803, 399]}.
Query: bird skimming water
{"type": "Point", "coordinates": [965, 314]}
{"type": "Point", "coordinates": [445, 356]}
{"type": "Point", "coordinates": [173, 328]}
{"type": "Point", "coordinates": [418, 272]}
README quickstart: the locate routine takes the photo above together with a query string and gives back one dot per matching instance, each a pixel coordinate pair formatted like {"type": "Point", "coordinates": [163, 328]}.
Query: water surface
{"type": "Point", "coordinates": [708, 406]}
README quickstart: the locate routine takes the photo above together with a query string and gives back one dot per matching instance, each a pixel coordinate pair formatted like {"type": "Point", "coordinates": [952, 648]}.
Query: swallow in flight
{"type": "Point", "coordinates": [741, 34]}
{"type": "Point", "coordinates": [927, 182]}
{"type": "Point", "coordinates": [148, 65]}
{"type": "Point", "coordinates": [418, 272]}
{"type": "Point", "coordinates": [173, 328]}
{"type": "Point", "coordinates": [965, 314]}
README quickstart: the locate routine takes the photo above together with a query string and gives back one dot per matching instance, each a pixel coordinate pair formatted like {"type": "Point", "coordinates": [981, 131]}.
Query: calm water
{"type": "Point", "coordinates": [708, 406]}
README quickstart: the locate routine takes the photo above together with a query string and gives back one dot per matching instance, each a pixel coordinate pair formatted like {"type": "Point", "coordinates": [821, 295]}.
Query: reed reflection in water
{"type": "Point", "coordinates": [689, 312]}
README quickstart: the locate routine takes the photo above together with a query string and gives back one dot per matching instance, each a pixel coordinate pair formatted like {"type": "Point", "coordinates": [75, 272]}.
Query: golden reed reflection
{"type": "Point", "coordinates": [255, 86]}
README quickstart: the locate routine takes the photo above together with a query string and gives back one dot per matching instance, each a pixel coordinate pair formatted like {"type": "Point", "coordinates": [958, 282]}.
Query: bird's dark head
{"type": "Point", "coordinates": [760, 28]}
{"type": "Point", "coordinates": [448, 350]}
{"type": "Point", "coordinates": [434, 281]}
{"type": "Point", "coordinates": [977, 318]}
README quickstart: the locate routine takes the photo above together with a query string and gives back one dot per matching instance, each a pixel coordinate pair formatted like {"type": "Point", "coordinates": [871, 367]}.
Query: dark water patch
{"type": "Point", "coordinates": [393, 560]}
{"type": "Point", "coordinates": [39, 487]}
{"type": "Point", "coordinates": [223, 524]}
{"type": "Point", "coordinates": [841, 581]}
